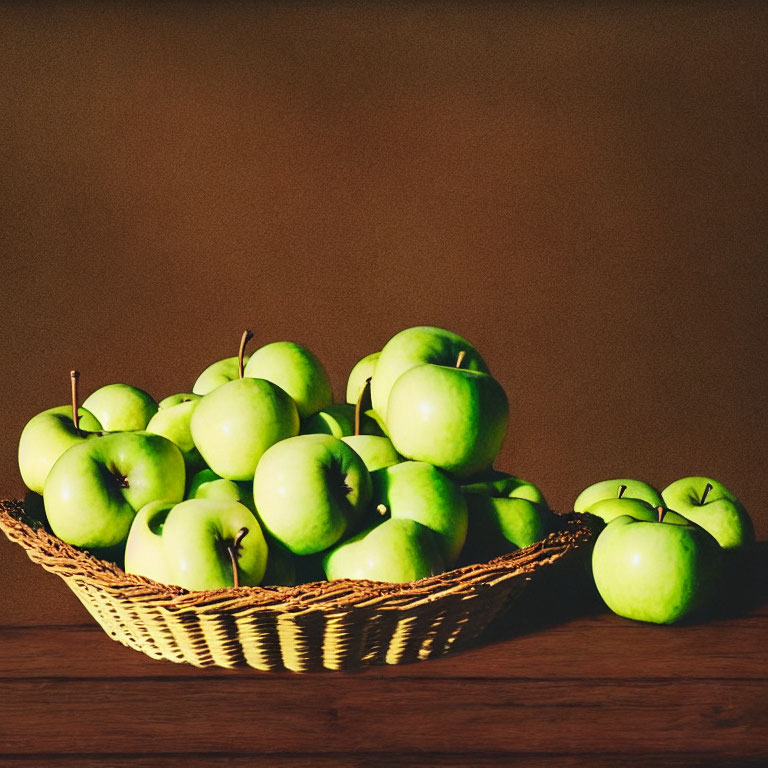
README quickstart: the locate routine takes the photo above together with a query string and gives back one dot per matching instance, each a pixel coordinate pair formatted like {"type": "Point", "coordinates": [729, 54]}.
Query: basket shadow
{"type": "Point", "coordinates": [555, 596]}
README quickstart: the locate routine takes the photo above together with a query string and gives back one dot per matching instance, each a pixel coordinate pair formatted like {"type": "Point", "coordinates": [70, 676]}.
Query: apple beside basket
{"type": "Point", "coordinates": [335, 625]}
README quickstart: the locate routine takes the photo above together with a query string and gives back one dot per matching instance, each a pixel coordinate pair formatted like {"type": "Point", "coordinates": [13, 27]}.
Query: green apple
{"type": "Point", "coordinates": [177, 399]}
{"type": "Point", "coordinates": [216, 374]}
{"type": "Point", "coordinates": [206, 484]}
{"type": "Point", "coordinates": [421, 492]}
{"type": "Point", "coordinates": [234, 424]}
{"type": "Point", "coordinates": [205, 543]}
{"type": "Point", "coordinates": [451, 417]}
{"type": "Point", "coordinates": [656, 572]}
{"type": "Point", "coordinates": [121, 407]}
{"type": "Point", "coordinates": [46, 436]}
{"type": "Point", "coordinates": [376, 451]}
{"type": "Point", "coordinates": [613, 489]}
{"type": "Point", "coordinates": [344, 420]}
{"type": "Point", "coordinates": [502, 485]}
{"type": "Point", "coordinates": [416, 346]}
{"type": "Point", "coordinates": [296, 370]}
{"type": "Point", "coordinates": [95, 488]}
{"type": "Point", "coordinates": [374, 448]}
{"type": "Point", "coordinates": [505, 513]}
{"type": "Point", "coordinates": [338, 420]}
{"type": "Point", "coordinates": [144, 552]}
{"type": "Point", "coordinates": [711, 505]}
{"type": "Point", "coordinates": [172, 421]}
{"type": "Point", "coordinates": [212, 544]}
{"type": "Point", "coordinates": [397, 550]}
{"type": "Point", "coordinates": [608, 509]}
{"type": "Point", "coordinates": [359, 376]}
{"type": "Point", "coordinates": [309, 491]}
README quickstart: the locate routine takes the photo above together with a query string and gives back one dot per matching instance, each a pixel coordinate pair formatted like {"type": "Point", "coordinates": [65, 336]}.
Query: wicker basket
{"type": "Point", "coordinates": [343, 624]}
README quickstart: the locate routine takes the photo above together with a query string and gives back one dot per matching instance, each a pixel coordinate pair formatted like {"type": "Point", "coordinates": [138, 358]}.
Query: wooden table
{"type": "Point", "coordinates": [563, 683]}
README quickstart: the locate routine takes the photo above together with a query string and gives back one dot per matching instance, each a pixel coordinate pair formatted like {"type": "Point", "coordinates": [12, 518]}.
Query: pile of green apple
{"type": "Point", "coordinates": [257, 477]}
{"type": "Point", "coordinates": [659, 557]}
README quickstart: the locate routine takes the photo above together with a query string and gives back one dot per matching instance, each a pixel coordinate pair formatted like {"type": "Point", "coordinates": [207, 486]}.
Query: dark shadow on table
{"type": "Point", "coordinates": [745, 586]}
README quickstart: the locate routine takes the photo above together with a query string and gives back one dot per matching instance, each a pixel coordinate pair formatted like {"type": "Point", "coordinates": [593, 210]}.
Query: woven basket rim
{"type": "Point", "coordinates": [71, 563]}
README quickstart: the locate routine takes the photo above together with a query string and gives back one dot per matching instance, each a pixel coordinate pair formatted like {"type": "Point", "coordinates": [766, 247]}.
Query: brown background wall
{"type": "Point", "coordinates": [578, 190]}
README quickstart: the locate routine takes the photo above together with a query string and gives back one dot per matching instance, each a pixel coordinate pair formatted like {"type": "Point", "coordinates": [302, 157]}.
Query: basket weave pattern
{"type": "Point", "coordinates": [342, 624]}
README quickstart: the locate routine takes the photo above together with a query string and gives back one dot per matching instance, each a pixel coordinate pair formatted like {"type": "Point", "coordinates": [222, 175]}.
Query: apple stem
{"type": "Point", "coordinates": [704, 495]}
{"type": "Point", "coordinates": [232, 549]}
{"type": "Point", "coordinates": [74, 376]}
{"type": "Point", "coordinates": [382, 509]}
{"type": "Point", "coordinates": [622, 488]}
{"type": "Point", "coordinates": [661, 512]}
{"type": "Point", "coordinates": [244, 339]}
{"type": "Point", "coordinates": [359, 404]}
{"type": "Point", "coordinates": [460, 358]}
